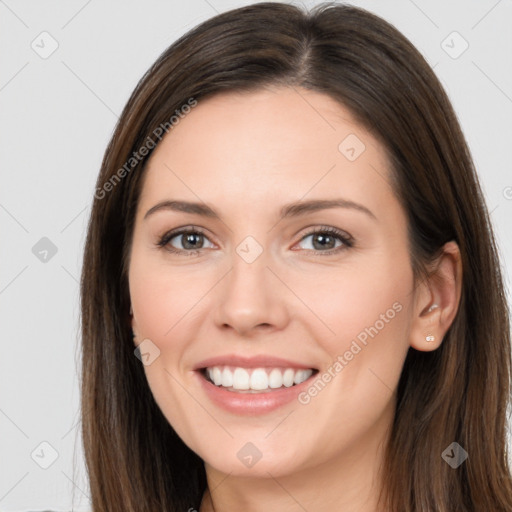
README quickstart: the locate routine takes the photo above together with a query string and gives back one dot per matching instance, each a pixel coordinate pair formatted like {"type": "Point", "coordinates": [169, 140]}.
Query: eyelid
{"type": "Point", "coordinates": [315, 228]}
{"type": "Point", "coordinates": [346, 239]}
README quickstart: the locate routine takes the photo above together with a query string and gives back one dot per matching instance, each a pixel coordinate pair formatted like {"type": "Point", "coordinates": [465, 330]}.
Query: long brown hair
{"type": "Point", "coordinates": [457, 393]}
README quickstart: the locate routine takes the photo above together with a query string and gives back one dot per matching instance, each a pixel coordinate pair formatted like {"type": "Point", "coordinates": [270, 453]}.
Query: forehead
{"type": "Point", "coordinates": [267, 146]}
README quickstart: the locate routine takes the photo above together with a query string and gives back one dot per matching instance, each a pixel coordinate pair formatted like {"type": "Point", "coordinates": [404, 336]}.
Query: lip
{"type": "Point", "coordinates": [259, 361]}
{"type": "Point", "coordinates": [251, 404]}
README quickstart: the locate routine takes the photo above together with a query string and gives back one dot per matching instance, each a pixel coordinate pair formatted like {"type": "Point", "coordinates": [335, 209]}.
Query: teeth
{"type": "Point", "coordinates": [288, 377]}
{"type": "Point", "coordinates": [300, 376]}
{"type": "Point", "coordinates": [275, 379]}
{"type": "Point", "coordinates": [217, 376]}
{"type": "Point", "coordinates": [241, 379]}
{"type": "Point", "coordinates": [257, 379]}
{"type": "Point", "coordinates": [227, 378]}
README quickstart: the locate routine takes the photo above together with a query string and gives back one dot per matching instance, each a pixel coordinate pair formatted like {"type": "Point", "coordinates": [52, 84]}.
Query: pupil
{"type": "Point", "coordinates": [322, 238]}
{"type": "Point", "coordinates": [189, 244]}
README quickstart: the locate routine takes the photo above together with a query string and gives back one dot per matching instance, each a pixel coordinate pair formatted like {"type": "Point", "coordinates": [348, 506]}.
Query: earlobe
{"type": "Point", "coordinates": [430, 338]}
{"type": "Point", "coordinates": [426, 332]}
{"type": "Point", "coordinates": [437, 300]}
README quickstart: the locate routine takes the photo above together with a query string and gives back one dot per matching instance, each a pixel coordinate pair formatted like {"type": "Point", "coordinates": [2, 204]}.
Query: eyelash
{"type": "Point", "coordinates": [347, 240]}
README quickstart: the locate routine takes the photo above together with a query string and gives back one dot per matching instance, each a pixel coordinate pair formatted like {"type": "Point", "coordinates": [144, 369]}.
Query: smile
{"type": "Point", "coordinates": [250, 380]}
{"type": "Point", "coordinates": [252, 385]}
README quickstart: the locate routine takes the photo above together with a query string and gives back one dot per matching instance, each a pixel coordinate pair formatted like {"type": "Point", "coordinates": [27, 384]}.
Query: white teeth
{"type": "Point", "coordinates": [275, 379]}
{"type": "Point", "coordinates": [305, 376]}
{"type": "Point", "coordinates": [301, 376]}
{"type": "Point", "coordinates": [227, 378]}
{"type": "Point", "coordinates": [241, 379]}
{"type": "Point", "coordinates": [217, 376]}
{"type": "Point", "coordinates": [257, 379]}
{"type": "Point", "coordinates": [288, 377]}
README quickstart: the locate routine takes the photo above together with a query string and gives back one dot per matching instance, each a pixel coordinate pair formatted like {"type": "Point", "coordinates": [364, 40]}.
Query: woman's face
{"type": "Point", "coordinates": [251, 297]}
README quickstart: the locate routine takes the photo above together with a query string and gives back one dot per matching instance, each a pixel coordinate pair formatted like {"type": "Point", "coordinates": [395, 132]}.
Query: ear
{"type": "Point", "coordinates": [437, 300]}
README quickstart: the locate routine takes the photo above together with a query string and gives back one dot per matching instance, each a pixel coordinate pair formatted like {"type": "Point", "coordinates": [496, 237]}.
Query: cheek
{"type": "Point", "coordinates": [354, 297]}
{"type": "Point", "coordinates": [161, 297]}
{"type": "Point", "coordinates": [367, 311]}
{"type": "Point", "coordinates": [160, 302]}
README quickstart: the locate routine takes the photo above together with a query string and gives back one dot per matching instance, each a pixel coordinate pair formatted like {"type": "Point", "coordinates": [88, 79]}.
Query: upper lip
{"type": "Point", "coordinates": [259, 361]}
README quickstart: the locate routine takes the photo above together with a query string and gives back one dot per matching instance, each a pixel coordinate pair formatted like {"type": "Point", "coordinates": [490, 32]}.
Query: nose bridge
{"type": "Point", "coordinates": [250, 297]}
{"type": "Point", "coordinates": [248, 280]}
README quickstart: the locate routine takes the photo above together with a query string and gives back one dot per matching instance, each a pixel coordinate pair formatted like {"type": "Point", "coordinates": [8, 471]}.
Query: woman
{"type": "Point", "coordinates": [291, 295]}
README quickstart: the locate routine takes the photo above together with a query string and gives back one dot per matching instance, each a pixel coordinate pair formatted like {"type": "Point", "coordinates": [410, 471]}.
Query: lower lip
{"type": "Point", "coordinates": [252, 403]}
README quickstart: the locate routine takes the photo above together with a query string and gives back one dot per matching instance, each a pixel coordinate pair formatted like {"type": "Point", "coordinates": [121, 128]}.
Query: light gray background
{"type": "Point", "coordinates": [57, 115]}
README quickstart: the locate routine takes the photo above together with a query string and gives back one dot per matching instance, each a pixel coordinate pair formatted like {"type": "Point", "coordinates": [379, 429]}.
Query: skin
{"type": "Point", "coordinates": [246, 155]}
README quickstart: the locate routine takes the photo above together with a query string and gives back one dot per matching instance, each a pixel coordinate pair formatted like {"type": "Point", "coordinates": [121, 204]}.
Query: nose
{"type": "Point", "coordinates": [251, 298]}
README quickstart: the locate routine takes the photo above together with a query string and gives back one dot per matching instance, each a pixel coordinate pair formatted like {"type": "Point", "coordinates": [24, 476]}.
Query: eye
{"type": "Point", "coordinates": [324, 239]}
{"type": "Point", "coordinates": [190, 241]}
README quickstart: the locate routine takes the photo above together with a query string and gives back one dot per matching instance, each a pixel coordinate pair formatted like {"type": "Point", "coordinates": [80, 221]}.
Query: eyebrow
{"type": "Point", "coordinates": [289, 210]}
